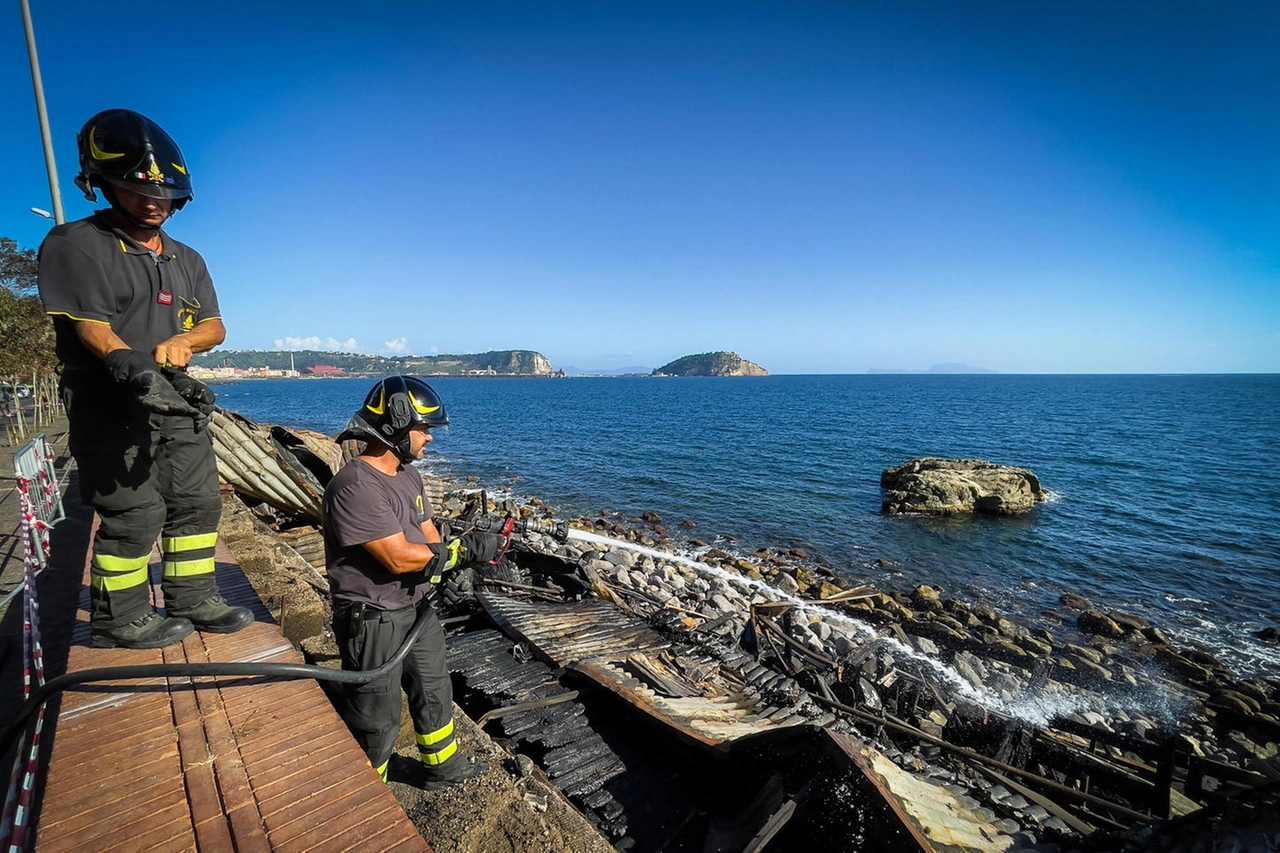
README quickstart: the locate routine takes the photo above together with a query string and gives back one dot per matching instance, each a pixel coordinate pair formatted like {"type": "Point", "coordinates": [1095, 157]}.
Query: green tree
{"type": "Point", "coordinates": [26, 333]}
{"type": "Point", "coordinates": [18, 268]}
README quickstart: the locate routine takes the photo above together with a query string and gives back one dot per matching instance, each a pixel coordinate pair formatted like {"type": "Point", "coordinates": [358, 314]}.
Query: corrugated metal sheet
{"type": "Point", "coordinates": [693, 694]}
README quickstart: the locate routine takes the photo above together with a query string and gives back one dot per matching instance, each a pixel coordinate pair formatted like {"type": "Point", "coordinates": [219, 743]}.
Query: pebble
{"type": "Point", "coordinates": [621, 557]}
{"type": "Point", "coordinates": [1037, 812]}
{"type": "Point", "coordinates": [1056, 824]}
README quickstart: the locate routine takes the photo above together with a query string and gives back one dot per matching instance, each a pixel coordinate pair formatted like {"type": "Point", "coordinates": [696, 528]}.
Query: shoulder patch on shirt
{"type": "Point", "coordinates": [188, 312]}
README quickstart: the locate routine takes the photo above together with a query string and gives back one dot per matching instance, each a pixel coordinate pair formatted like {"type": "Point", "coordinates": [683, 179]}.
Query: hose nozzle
{"type": "Point", "coordinates": [558, 530]}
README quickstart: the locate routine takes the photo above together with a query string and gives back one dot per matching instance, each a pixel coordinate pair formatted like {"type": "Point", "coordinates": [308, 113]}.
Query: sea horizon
{"type": "Point", "coordinates": [1153, 511]}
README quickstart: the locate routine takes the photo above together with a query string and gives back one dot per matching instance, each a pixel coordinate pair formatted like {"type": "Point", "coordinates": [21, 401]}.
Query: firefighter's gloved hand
{"type": "Point", "coordinates": [447, 556]}
{"type": "Point", "coordinates": [481, 549]}
{"type": "Point", "coordinates": [192, 390]}
{"type": "Point", "coordinates": [141, 375]}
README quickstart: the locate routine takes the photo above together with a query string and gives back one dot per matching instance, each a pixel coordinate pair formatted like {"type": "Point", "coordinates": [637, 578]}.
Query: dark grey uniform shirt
{"type": "Point", "coordinates": [361, 504]}
{"type": "Point", "coordinates": [90, 270]}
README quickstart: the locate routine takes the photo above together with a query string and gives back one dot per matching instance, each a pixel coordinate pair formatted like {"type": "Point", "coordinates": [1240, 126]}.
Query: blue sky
{"type": "Point", "coordinates": [821, 187]}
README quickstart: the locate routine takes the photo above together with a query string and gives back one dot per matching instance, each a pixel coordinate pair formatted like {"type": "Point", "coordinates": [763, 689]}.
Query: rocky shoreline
{"type": "Point", "coordinates": [925, 676]}
{"type": "Point", "coordinates": [1103, 676]}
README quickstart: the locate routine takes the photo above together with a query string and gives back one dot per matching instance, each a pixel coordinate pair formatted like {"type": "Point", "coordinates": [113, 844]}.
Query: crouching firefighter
{"type": "Point", "coordinates": [383, 552]}
{"type": "Point", "coordinates": [130, 305]}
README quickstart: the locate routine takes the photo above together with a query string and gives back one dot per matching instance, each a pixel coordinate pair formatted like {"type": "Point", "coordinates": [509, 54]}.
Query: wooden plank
{"type": "Point", "coordinates": [98, 798]}
{"type": "Point", "coordinates": [337, 794]}
{"type": "Point", "coordinates": [298, 774]}
{"type": "Point", "coordinates": [394, 837]}
{"type": "Point", "coordinates": [298, 736]}
{"type": "Point", "coordinates": [324, 837]}
{"type": "Point", "coordinates": [214, 834]}
{"type": "Point", "coordinates": [114, 820]}
{"type": "Point", "coordinates": [407, 844]}
{"type": "Point", "coordinates": [195, 764]}
{"type": "Point", "coordinates": [247, 829]}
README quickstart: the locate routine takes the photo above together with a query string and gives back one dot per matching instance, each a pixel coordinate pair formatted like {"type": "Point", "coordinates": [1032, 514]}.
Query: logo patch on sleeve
{"type": "Point", "coordinates": [164, 298]}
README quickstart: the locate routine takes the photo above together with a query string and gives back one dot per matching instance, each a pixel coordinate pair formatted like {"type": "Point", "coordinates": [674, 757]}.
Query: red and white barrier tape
{"type": "Point", "coordinates": [15, 825]}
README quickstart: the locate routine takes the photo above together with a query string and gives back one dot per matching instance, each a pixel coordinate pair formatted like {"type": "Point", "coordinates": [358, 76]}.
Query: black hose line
{"type": "Point", "coordinates": [286, 671]}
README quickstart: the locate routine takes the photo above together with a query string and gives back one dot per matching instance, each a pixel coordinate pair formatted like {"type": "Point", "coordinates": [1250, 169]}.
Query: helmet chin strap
{"type": "Point", "coordinates": [108, 192]}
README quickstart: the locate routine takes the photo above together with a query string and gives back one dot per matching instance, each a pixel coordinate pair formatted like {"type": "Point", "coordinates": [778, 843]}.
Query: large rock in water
{"type": "Point", "coordinates": [946, 486]}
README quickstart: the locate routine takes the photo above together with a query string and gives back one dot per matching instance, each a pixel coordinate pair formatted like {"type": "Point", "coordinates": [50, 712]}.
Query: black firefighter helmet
{"type": "Point", "coordinates": [394, 407]}
{"type": "Point", "coordinates": [121, 148]}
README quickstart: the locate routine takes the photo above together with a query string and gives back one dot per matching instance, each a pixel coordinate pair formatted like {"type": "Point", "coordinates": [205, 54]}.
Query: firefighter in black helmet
{"type": "Point", "coordinates": [382, 551]}
{"type": "Point", "coordinates": [130, 305]}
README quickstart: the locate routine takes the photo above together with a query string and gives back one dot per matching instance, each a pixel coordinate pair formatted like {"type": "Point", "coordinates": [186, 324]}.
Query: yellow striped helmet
{"type": "Point", "coordinates": [126, 149]}
{"type": "Point", "coordinates": [393, 407]}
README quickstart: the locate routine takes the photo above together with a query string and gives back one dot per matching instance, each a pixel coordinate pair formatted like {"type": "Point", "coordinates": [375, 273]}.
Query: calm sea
{"type": "Point", "coordinates": [1165, 502]}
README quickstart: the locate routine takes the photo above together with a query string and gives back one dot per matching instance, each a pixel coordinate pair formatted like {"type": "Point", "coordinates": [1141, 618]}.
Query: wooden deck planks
{"type": "Point", "coordinates": [211, 764]}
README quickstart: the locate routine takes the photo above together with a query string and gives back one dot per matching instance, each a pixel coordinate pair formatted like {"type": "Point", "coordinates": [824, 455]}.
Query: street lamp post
{"type": "Point", "coordinates": [54, 192]}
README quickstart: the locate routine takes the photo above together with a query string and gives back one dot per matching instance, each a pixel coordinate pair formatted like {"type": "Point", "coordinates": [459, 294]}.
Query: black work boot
{"type": "Point", "coordinates": [148, 631]}
{"type": "Point", "coordinates": [214, 616]}
{"type": "Point", "coordinates": [459, 769]}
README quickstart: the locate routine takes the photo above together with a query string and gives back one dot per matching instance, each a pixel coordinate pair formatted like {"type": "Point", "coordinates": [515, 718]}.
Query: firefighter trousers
{"type": "Point", "coordinates": [367, 638]}
{"type": "Point", "coordinates": [147, 476]}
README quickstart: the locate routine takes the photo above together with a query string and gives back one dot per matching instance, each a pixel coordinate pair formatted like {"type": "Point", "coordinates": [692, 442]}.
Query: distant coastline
{"type": "Point", "coordinates": [318, 364]}
{"type": "Point", "coordinates": [948, 368]}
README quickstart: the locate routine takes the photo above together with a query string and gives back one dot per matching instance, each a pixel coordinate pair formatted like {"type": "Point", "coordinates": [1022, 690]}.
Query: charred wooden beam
{"type": "Point", "coordinates": [542, 591]}
{"type": "Point", "coordinates": [904, 728]}
{"type": "Point", "coordinates": [1080, 826]}
{"type": "Point", "coordinates": [799, 647]}
{"type": "Point", "coordinates": [507, 710]}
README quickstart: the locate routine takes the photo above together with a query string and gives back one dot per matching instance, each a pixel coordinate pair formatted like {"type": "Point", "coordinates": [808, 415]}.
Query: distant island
{"type": "Point", "coordinates": [711, 364]}
{"type": "Point", "coordinates": [949, 367]}
{"type": "Point", "coordinates": [238, 364]}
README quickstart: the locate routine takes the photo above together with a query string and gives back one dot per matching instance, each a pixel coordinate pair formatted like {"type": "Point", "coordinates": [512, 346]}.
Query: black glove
{"type": "Point", "coordinates": [192, 390]}
{"type": "Point", "coordinates": [482, 548]}
{"type": "Point", "coordinates": [140, 374]}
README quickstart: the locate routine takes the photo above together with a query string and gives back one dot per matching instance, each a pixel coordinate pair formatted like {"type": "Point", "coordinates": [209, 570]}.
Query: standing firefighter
{"type": "Point", "coordinates": [383, 550]}
{"type": "Point", "coordinates": [130, 305]}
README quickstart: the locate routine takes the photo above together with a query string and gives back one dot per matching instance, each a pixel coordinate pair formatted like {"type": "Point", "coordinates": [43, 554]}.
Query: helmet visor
{"type": "Point", "coordinates": [150, 189]}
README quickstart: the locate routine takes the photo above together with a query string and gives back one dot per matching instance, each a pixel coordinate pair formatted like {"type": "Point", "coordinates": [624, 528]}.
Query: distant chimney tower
{"type": "Point", "coordinates": [291, 367]}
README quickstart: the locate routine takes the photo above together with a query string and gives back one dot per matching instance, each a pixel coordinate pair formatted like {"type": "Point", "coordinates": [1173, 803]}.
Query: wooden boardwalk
{"type": "Point", "coordinates": [210, 764]}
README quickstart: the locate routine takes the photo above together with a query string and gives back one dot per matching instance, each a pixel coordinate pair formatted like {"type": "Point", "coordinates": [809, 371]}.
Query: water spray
{"type": "Point", "coordinates": [1036, 710]}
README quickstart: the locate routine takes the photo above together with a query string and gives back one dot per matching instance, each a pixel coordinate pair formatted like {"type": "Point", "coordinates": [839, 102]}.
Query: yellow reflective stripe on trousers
{"type": "Point", "coordinates": [116, 573]}
{"type": "Point", "coordinates": [382, 771]}
{"type": "Point", "coordinates": [436, 736]}
{"type": "Point", "coordinates": [194, 542]}
{"type": "Point", "coordinates": [440, 757]}
{"type": "Point", "coordinates": [188, 568]}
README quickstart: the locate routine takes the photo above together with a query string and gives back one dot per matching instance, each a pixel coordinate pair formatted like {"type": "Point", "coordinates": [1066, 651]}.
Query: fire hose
{"type": "Point", "coordinates": [501, 525]}
{"type": "Point", "coordinates": [286, 671]}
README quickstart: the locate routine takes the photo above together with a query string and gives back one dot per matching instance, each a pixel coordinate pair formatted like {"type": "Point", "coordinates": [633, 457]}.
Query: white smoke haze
{"type": "Point", "coordinates": [315, 342]}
